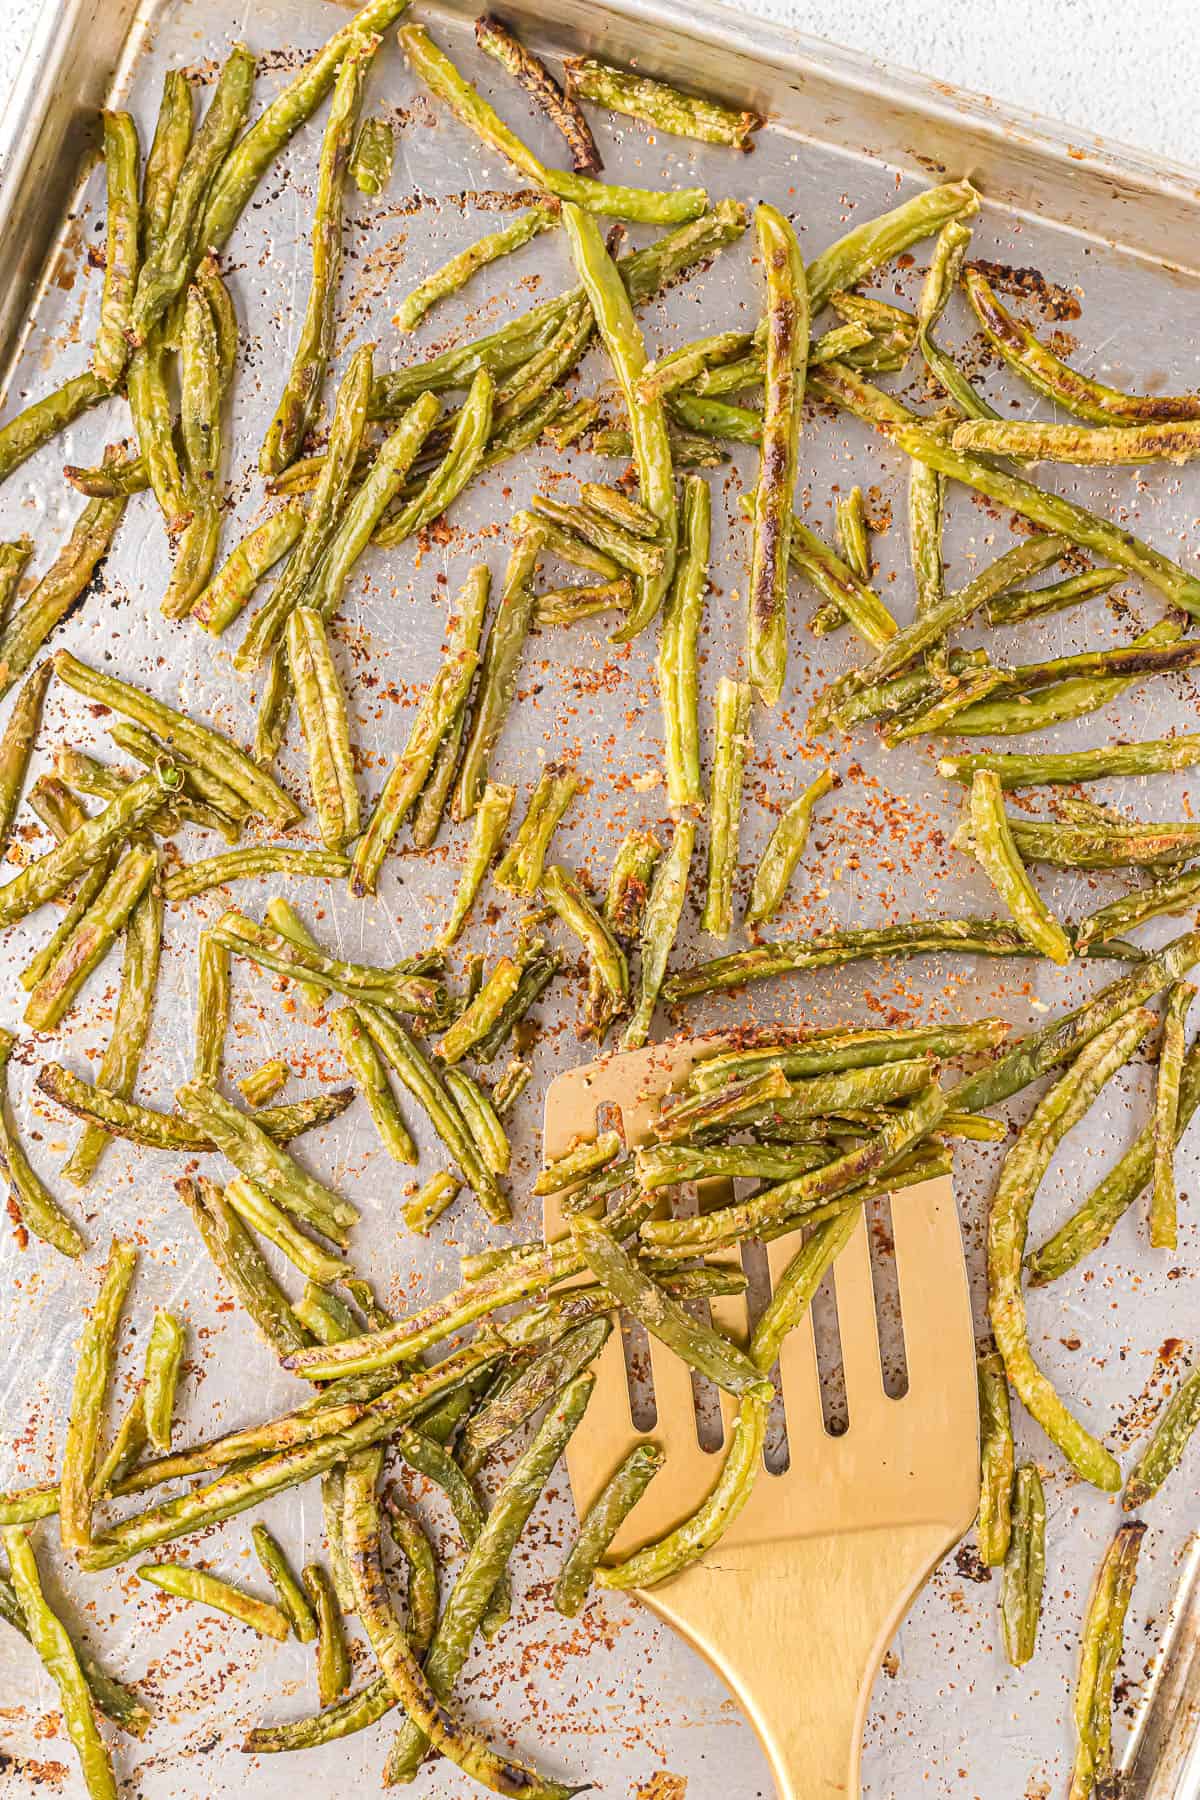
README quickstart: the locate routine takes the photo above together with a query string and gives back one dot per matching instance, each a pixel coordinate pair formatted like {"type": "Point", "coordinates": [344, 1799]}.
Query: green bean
{"type": "Point", "coordinates": [1175, 1425]}
{"type": "Point", "coordinates": [660, 105]}
{"type": "Point", "coordinates": [328, 513]}
{"type": "Point", "coordinates": [113, 476]}
{"type": "Point", "coordinates": [123, 1053]}
{"type": "Point", "coordinates": [975, 937]}
{"type": "Point", "coordinates": [625, 548]}
{"type": "Point", "coordinates": [286, 922]}
{"type": "Point", "coordinates": [333, 1661]}
{"type": "Point", "coordinates": [487, 1558]}
{"type": "Point", "coordinates": [1152, 757]}
{"type": "Point", "coordinates": [784, 849]}
{"type": "Point", "coordinates": [1079, 394]}
{"type": "Point", "coordinates": [414, 1546]}
{"type": "Point", "coordinates": [681, 368]}
{"type": "Point", "coordinates": [716, 418]}
{"type": "Point", "coordinates": [323, 1314]}
{"type": "Point", "coordinates": [201, 394]}
{"type": "Point", "coordinates": [206, 789]}
{"type": "Point", "coordinates": [677, 649]}
{"type": "Point", "coordinates": [1009, 609]}
{"type": "Point", "coordinates": [213, 996]}
{"type": "Point", "coordinates": [629, 883]}
{"type": "Point", "coordinates": [94, 1360]}
{"type": "Point", "coordinates": [366, 1066]}
{"type": "Point", "coordinates": [463, 458]}
{"type": "Point", "coordinates": [564, 895]}
{"type": "Point", "coordinates": [477, 1019]}
{"type": "Point", "coordinates": [51, 1640]}
{"type": "Point", "coordinates": [262, 1084]}
{"type": "Point", "coordinates": [293, 1602]}
{"type": "Point", "coordinates": [853, 257]}
{"type": "Point", "coordinates": [568, 605]}
{"type": "Point", "coordinates": [241, 1263]}
{"type": "Point", "coordinates": [457, 272]}
{"type": "Point", "coordinates": [394, 987]}
{"type": "Point", "coordinates": [1164, 1199]}
{"type": "Point", "coordinates": [14, 554]}
{"type": "Point", "coordinates": [444, 700]}
{"type": "Point", "coordinates": [939, 715]}
{"type": "Point", "coordinates": [639, 205]}
{"type": "Point", "coordinates": [689, 449]}
{"type": "Point", "coordinates": [115, 1701]}
{"type": "Point", "coordinates": [584, 1158]}
{"type": "Point", "coordinates": [688, 1541]}
{"type": "Point", "coordinates": [1100, 1649]}
{"type": "Point", "coordinates": [28, 1196]}
{"type": "Point", "coordinates": [257, 1156]}
{"type": "Point", "coordinates": [220, 603]}
{"type": "Point", "coordinates": [28, 627]}
{"type": "Point", "coordinates": [1097, 845]}
{"type": "Point", "coordinates": [993, 845]}
{"type": "Point", "coordinates": [837, 581]}
{"type": "Point", "coordinates": [325, 726]}
{"type": "Point", "coordinates": [537, 974]}
{"type": "Point", "coordinates": [604, 1518]}
{"type": "Point", "coordinates": [482, 1119]}
{"type": "Point", "coordinates": [253, 860]}
{"type": "Point", "coordinates": [666, 1165]}
{"type": "Point", "coordinates": [1053, 513]}
{"type": "Point", "coordinates": [418, 1075]}
{"type": "Point", "coordinates": [239, 1488]}
{"type": "Point", "coordinates": [257, 149]}
{"type": "Point", "coordinates": [617, 324]}
{"type": "Point", "coordinates": [699, 1345]}
{"type": "Point", "coordinates": [933, 626]}
{"type": "Point", "coordinates": [110, 352]}
{"type": "Point", "coordinates": [1026, 1163]}
{"type": "Point", "coordinates": [945, 267]}
{"type": "Point", "coordinates": [171, 259]}
{"type": "Point", "coordinates": [733, 1104]}
{"type": "Point", "coordinates": [825, 1052]}
{"type": "Point", "coordinates": [28, 430]}
{"type": "Point", "coordinates": [372, 157]}
{"type": "Point", "coordinates": [1175, 441]}
{"type": "Point", "coordinates": [209, 1590]}
{"type": "Point", "coordinates": [1178, 895]}
{"type": "Point", "coordinates": [519, 870]}
{"type": "Point", "coordinates": [725, 804]}
{"type": "Point", "coordinates": [996, 1457]}
{"type": "Point", "coordinates": [573, 421]}
{"type": "Point", "coordinates": [644, 272]}
{"type": "Point", "coordinates": [511, 1086]}
{"type": "Point", "coordinates": [16, 746]}
{"type": "Point", "coordinates": [562, 110]}
{"type": "Point", "coordinates": [207, 748]}
{"type": "Point", "coordinates": [491, 821]}
{"type": "Point", "coordinates": [539, 1381]}
{"type": "Point", "coordinates": [786, 323]}
{"type": "Point", "coordinates": [852, 531]}
{"type": "Point", "coordinates": [93, 936]}
{"type": "Point", "coordinates": [258, 1210]}
{"type": "Point", "coordinates": [87, 847]}
{"type": "Point", "coordinates": [150, 405]}
{"type": "Point", "coordinates": [1024, 1568]}
{"type": "Point", "coordinates": [431, 1200]}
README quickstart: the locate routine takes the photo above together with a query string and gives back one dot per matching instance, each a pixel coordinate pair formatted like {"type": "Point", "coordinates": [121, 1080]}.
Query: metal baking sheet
{"type": "Point", "coordinates": [1106, 241]}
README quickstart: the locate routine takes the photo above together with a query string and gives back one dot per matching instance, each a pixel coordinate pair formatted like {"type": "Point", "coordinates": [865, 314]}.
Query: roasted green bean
{"type": "Point", "coordinates": [209, 1590]}
{"type": "Point", "coordinates": [1164, 1201]}
{"type": "Point", "coordinates": [293, 1601]}
{"type": "Point", "coordinates": [1172, 1432]}
{"type": "Point", "coordinates": [725, 804]}
{"type": "Point", "coordinates": [678, 681]}
{"type": "Point", "coordinates": [1099, 1653]}
{"type": "Point", "coordinates": [30, 624]}
{"type": "Point", "coordinates": [994, 848]}
{"type": "Point", "coordinates": [110, 353]}
{"type": "Point", "coordinates": [993, 1527]}
{"type": "Point", "coordinates": [239, 1260]}
{"type": "Point", "coordinates": [560, 108]}
{"type": "Point", "coordinates": [1024, 1568]}
{"type": "Point", "coordinates": [372, 157]}
{"type": "Point", "coordinates": [94, 1360]}
{"type": "Point", "coordinates": [519, 870]}
{"type": "Point", "coordinates": [784, 849]}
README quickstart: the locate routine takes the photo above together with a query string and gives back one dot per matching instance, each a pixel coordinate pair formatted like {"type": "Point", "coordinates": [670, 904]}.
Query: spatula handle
{"type": "Point", "coordinates": [797, 1629]}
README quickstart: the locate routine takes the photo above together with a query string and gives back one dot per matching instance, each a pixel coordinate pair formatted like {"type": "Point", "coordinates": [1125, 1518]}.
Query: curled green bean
{"type": "Point", "coordinates": [784, 850]}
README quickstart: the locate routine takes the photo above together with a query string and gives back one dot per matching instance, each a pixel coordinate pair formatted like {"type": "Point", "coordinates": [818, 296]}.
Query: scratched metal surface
{"type": "Point", "coordinates": [613, 1697]}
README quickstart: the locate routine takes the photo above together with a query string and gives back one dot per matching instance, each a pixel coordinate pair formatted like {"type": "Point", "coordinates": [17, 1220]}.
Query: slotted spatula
{"type": "Point", "coordinates": [798, 1602]}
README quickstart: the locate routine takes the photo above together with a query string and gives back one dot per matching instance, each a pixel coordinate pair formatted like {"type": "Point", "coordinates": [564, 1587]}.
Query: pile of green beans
{"type": "Point", "coordinates": [818, 1124]}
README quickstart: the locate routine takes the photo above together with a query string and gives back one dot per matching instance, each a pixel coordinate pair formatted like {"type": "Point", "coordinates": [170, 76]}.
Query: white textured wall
{"type": "Point", "coordinates": [1128, 72]}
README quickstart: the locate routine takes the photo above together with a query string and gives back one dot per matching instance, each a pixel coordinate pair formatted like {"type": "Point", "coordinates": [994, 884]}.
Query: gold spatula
{"type": "Point", "coordinates": [796, 1606]}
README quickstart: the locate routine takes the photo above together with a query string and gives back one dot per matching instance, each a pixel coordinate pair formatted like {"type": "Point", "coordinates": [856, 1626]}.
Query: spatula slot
{"type": "Point", "coordinates": [635, 1347]}
{"type": "Point", "coordinates": [885, 1281]}
{"type": "Point", "coordinates": [706, 1396]}
{"type": "Point", "coordinates": [831, 1368]}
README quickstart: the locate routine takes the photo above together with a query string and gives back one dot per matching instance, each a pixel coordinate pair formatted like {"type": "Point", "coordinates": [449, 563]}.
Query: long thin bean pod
{"type": "Point", "coordinates": [490, 823]}
{"type": "Point", "coordinates": [16, 746]}
{"type": "Point", "coordinates": [293, 1601]}
{"type": "Point", "coordinates": [220, 603]}
{"type": "Point", "coordinates": [784, 849]}
{"type": "Point", "coordinates": [560, 108]}
{"type": "Point", "coordinates": [395, 987]}
{"type": "Point", "coordinates": [93, 1372]}
{"type": "Point", "coordinates": [993, 1527]}
{"type": "Point", "coordinates": [618, 327]}
{"type": "Point", "coordinates": [86, 846]}
{"type": "Point", "coordinates": [678, 682]}
{"type": "Point", "coordinates": [171, 260]}
{"type": "Point", "coordinates": [209, 1590]}
{"type": "Point", "coordinates": [640, 205]}
{"type": "Point", "coordinates": [1027, 1161]}
{"type": "Point", "coordinates": [1164, 1198]}
{"type": "Point", "coordinates": [366, 1065]}
{"type": "Point", "coordinates": [90, 942]}
{"type": "Point", "coordinates": [1100, 1649]}
{"type": "Point", "coordinates": [849, 260]}
{"type": "Point", "coordinates": [252, 860]}
{"type": "Point", "coordinates": [241, 1263]}
{"type": "Point", "coordinates": [455, 274]}
{"type": "Point", "coordinates": [50, 1639]}
{"type": "Point", "coordinates": [1170, 1438]}
{"type": "Point", "coordinates": [519, 870]}
{"type": "Point", "coordinates": [170, 1131]}
{"type": "Point", "coordinates": [994, 848]}
{"type": "Point", "coordinates": [1024, 1568]}
{"type": "Point", "coordinates": [659, 927]}
{"type": "Point", "coordinates": [110, 353]}
{"type": "Point", "coordinates": [30, 624]}
{"type": "Point", "coordinates": [660, 105]}
{"type": "Point", "coordinates": [326, 727]}
{"type": "Point", "coordinates": [786, 322]}
{"type": "Point", "coordinates": [333, 1661]}
{"type": "Point", "coordinates": [562, 892]}
{"type": "Point", "coordinates": [725, 804]}
{"type": "Point", "coordinates": [34, 1205]}
{"type": "Point", "coordinates": [604, 1518]}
